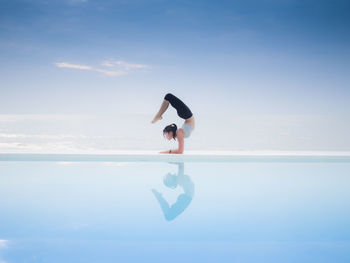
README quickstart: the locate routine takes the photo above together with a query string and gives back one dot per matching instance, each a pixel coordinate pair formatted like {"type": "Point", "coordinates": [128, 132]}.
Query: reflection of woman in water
{"type": "Point", "coordinates": [172, 181]}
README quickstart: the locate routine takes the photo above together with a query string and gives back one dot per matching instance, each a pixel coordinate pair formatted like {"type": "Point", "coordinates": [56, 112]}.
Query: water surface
{"type": "Point", "coordinates": [174, 211]}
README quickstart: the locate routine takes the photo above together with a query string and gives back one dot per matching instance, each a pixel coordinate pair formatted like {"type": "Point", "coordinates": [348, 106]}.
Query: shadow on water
{"type": "Point", "coordinates": [172, 181]}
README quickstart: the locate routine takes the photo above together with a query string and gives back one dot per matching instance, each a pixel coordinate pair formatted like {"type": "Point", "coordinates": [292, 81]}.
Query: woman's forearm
{"type": "Point", "coordinates": [176, 151]}
{"type": "Point", "coordinates": [172, 151]}
{"type": "Point", "coordinates": [168, 151]}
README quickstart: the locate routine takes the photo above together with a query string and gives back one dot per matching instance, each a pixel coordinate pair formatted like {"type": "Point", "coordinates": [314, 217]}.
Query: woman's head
{"type": "Point", "coordinates": [170, 131]}
{"type": "Point", "coordinates": [170, 180]}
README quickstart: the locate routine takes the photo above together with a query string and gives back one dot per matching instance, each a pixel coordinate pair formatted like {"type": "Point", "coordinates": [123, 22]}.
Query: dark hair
{"type": "Point", "coordinates": [172, 127]}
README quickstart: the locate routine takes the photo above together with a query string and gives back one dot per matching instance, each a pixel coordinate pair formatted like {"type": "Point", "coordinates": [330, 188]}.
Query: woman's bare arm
{"type": "Point", "coordinates": [181, 140]}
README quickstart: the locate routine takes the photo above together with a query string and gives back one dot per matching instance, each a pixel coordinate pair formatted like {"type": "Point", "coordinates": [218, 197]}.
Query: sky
{"type": "Point", "coordinates": [219, 57]}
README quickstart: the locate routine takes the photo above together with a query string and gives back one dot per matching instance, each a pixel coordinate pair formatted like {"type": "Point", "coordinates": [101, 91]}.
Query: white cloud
{"type": "Point", "coordinates": [75, 66]}
{"type": "Point", "coordinates": [122, 64]}
{"type": "Point", "coordinates": [116, 67]}
{"type": "Point", "coordinates": [3, 244]}
{"type": "Point", "coordinates": [111, 72]}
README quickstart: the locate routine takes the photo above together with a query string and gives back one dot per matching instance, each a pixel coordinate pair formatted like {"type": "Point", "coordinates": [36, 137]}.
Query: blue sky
{"type": "Point", "coordinates": [110, 57]}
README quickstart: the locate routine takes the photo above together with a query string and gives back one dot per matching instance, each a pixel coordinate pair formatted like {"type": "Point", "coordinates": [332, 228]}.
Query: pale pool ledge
{"type": "Point", "coordinates": [188, 156]}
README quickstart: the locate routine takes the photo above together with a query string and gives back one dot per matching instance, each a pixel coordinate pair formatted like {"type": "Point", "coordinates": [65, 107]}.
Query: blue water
{"type": "Point", "coordinates": [174, 212]}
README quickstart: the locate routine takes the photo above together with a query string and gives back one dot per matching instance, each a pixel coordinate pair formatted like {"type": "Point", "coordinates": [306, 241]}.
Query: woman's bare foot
{"type": "Point", "coordinates": [156, 119]}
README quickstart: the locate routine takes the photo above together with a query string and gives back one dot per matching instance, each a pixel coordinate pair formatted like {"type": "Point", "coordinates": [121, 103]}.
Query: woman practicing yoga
{"type": "Point", "coordinates": [171, 131]}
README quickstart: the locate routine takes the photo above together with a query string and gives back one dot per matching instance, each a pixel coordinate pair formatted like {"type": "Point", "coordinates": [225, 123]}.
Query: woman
{"type": "Point", "coordinates": [171, 131]}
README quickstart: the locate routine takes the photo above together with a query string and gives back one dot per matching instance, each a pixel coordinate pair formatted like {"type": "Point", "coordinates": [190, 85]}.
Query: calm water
{"type": "Point", "coordinates": [174, 212]}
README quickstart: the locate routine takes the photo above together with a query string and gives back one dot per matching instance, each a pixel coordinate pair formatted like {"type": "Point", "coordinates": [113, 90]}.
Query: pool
{"type": "Point", "coordinates": [118, 209]}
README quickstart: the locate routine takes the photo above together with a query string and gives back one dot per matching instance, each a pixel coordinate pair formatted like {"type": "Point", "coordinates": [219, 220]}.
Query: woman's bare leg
{"type": "Point", "coordinates": [163, 108]}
